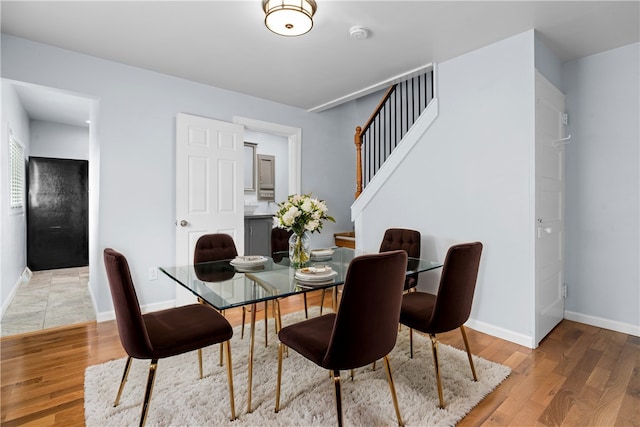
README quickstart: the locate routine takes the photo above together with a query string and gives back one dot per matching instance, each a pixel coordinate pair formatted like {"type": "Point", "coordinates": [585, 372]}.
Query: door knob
{"type": "Point", "coordinates": [183, 223]}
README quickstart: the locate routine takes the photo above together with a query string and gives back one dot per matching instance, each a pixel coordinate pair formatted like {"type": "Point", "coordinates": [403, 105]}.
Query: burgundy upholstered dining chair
{"type": "Point", "coordinates": [450, 308]}
{"type": "Point", "coordinates": [279, 242]}
{"type": "Point", "coordinates": [363, 330]}
{"type": "Point", "coordinates": [220, 247]}
{"type": "Point", "coordinates": [163, 333]}
{"type": "Point", "coordinates": [214, 247]}
{"type": "Point", "coordinates": [409, 241]}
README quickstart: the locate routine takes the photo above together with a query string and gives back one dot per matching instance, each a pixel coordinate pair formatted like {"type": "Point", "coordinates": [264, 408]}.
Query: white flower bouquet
{"type": "Point", "coordinates": [300, 213]}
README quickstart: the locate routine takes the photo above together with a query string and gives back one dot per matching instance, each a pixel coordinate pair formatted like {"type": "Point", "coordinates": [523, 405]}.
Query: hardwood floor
{"type": "Point", "coordinates": [579, 376]}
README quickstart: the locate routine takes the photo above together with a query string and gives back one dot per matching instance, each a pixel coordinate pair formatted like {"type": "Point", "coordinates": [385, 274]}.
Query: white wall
{"type": "Point", "coordinates": [60, 141]}
{"type": "Point", "coordinates": [470, 178]}
{"type": "Point", "coordinates": [603, 189]}
{"type": "Point", "coordinates": [135, 128]}
{"type": "Point", "coordinates": [13, 227]}
{"type": "Point", "coordinates": [548, 63]}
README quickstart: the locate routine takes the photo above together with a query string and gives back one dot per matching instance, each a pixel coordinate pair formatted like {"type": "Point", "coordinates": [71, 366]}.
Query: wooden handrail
{"type": "Point", "coordinates": [397, 111]}
{"type": "Point", "coordinates": [357, 139]}
{"type": "Point", "coordinates": [379, 107]}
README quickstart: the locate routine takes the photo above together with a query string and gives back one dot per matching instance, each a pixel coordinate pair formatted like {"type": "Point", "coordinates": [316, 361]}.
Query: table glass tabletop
{"type": "Point", "coordinates": [224, 286]}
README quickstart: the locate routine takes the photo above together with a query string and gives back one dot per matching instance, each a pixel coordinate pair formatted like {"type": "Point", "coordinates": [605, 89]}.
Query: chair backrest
{"type": "Point", "coordinates": [366, 325]}
{"type": "Point", "coordinates": [214, 247]}
{"type": "Point", "coordinates": [279, 242]}
{"type": "Point", "coordinates": [280, 239]}
{"type": "Point", "coordinates": [407, 240]}
{"type": "Point", "coordinates": [457, 285]}
{"type": "Point", "coordinates": [131, 326]}
{"type": "Point", "coordinates": [401, 238]}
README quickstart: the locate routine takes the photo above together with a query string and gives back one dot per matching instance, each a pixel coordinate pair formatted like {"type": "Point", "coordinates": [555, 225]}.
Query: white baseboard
{"type": "Point", "coordinates": [501, 333]}
{"type": "Point", "coordinates": [625, 328]}
{"type": "Point", "coordinates": [92, 296]}
{"type": "Point", "coordinates": [148, 308]}
{"type": "Point", "coordinates": [528, 341]}
{"type": "Point", "coordinates": [9, 298]}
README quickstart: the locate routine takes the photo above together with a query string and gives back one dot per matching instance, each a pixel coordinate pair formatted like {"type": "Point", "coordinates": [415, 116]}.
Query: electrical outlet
{"type": "Point", "coordinates": [153, 273]}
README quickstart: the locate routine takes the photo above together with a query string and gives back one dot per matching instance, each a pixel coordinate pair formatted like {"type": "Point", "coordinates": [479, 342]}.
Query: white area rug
{"type": "Point", "coordinates": [307, 396]}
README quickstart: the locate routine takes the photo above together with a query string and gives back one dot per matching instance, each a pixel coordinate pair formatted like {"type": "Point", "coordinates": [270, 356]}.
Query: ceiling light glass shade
{"type": "Point", "coordinates": [289, 17]}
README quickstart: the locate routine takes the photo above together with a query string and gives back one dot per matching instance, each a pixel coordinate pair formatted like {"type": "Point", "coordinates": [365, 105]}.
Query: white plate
{"type": "Point", "coordinates": [321, 258]}
{"type": "Point", "coordinates": [248, 261]}
{"type": "Point", "coordinates": [319, 253]}
{"type": "Point", "coordinates": [248, 269]}
{"type": "Point", "coordinates": [315, 274]}
{"type": "Point", "coordinates": [311, 284]}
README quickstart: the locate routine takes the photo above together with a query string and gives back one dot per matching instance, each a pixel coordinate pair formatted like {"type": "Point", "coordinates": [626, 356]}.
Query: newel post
{"type": "Point", "coordinates": [358, 141]}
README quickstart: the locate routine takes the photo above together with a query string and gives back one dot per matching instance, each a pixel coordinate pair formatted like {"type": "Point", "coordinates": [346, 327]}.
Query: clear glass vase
{"type": "Point", "coordinates": [299, 249]}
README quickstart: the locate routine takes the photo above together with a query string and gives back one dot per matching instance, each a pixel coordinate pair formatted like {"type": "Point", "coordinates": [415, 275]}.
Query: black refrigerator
{"type": "Point", "coordinates": [57, 213]}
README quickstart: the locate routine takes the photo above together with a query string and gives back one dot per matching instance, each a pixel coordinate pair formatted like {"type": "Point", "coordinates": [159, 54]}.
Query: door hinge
{"type": "Point", "coordinates": [565, 119]}
{"type": "Point", "coordinates": [564, 290]}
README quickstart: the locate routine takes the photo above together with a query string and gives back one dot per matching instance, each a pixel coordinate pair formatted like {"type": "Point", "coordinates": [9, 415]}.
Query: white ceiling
{"type": "Point", "coordinates": [54, 106]}
{"type": "Point", "coordinates": [225, 44]}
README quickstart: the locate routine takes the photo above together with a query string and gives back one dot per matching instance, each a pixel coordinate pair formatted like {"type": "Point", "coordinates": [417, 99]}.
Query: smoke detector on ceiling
{"type": "Point", "coordinates": [358, 32]}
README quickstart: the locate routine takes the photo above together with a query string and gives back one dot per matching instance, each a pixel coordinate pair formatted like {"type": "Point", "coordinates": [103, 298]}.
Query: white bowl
{"type": "Point", "coordinates": [250, 209]}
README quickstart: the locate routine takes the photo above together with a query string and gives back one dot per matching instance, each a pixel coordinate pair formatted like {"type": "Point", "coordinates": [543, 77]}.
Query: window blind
{"type": "Point", "coordinates": [16, 170]}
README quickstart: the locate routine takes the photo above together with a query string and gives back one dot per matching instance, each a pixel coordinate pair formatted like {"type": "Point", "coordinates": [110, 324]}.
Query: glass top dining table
{"type": "Point", "coordinates": [222, 285]}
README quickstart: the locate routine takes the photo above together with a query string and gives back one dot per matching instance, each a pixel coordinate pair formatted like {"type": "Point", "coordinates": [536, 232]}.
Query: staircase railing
{"type": "Point", "coordinates": [397, 111]}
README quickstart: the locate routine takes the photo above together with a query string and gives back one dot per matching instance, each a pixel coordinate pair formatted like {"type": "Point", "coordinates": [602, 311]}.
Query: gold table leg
{"type": "Point", "coordinates": [266, 329]}
{"type": "Point", "coordinates": [250, 374]}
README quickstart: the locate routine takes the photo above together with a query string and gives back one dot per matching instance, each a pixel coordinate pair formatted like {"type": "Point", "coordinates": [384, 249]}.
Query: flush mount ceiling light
{"type": "Point", "coordinates": [289, 17]}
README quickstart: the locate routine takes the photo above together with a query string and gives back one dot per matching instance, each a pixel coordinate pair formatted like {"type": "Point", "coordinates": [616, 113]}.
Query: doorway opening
{"type": "Point", "coordinates": [52, 124]}
{"type": "Point", "coordinates": [294, 146]}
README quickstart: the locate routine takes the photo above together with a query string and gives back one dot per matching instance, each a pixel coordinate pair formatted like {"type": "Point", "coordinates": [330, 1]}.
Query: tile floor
{"type": "Point", "coordinates": [50, 299]}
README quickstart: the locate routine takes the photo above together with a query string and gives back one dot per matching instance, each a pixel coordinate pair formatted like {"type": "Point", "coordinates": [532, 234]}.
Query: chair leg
{"type": "Point", "coordinates": [278, 321]}
{"type": "Point", "coordinates": [336, 383]}
{"type": "Point", "coordinates": [201, 301]}
{"type": "Point", "coordinates": [274, 313]}
{"type": "Point", "coordinates": [322, 301]}
{"type": "Point", "coordinates": [127, 366]}
{"type": "Point", "coordinates": [200, 361]}
{"type": "Point", "coordinates": [434, 347]}
{"type": "Point", "coordinates": [147, 393]}
{"type": "Point", "coordinates": [393, 390]}
{"type": "Point", "coordinates": [466, 345]}
{"type": "Point", "coordinates": [278, 380]}
{"type": "Point", "coordinates": [244, 313]}
{"type": "Point", "coordinates": [306, 311]}
{"type": "Point", "coordinates": [277, 315]}
{"type": "Point", "coordinates": [227, 345]}
{"type": "Point", "coordinates": [411, 342]}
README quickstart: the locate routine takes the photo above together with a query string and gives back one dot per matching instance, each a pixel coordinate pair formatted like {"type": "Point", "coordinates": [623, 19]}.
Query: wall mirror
{"type": "Point", "coordinates": [250, 166]}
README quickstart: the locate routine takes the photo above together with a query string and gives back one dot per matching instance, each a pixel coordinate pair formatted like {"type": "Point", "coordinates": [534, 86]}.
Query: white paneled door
{"type": "Point", "coordinates": [209, 185]}
{"type": "Point", "coordinates": [549, 226]}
